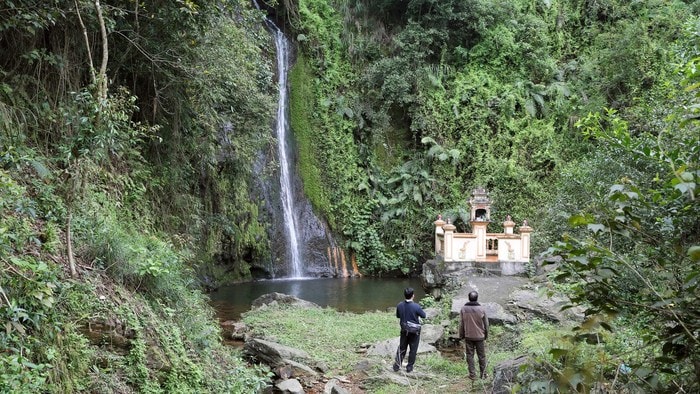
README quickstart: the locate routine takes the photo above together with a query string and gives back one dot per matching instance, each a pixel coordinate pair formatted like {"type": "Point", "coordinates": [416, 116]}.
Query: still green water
{"type": "Point", "coordinates": [347, 294]}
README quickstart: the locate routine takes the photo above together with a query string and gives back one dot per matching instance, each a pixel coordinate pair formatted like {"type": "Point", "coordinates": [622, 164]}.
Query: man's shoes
{"type": "Point", "coordinates": [396, 368]}
{"type": "Point", "coordinates": [409, 369]}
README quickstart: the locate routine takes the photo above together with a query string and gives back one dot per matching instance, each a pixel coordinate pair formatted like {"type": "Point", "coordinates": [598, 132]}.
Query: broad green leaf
{"type": "Point", "coordinates": [579, 220]}
{"type": "Point", "coordinates": [687, 176]}
{"type": "Point", "coordinates": [40, 169]}
{"type": "Point", "coordinates": [596, 227]}
{"type": "Point", "coordinates": [694, 252]}
{"type": "Point", "coordinates": [606, 272]}
{"type": "Point", "coordinates": [557, 353]}
{"type": "Point", "coordinates": [684, 187]}
{"type": "Point", "coordinates": [643, 372]}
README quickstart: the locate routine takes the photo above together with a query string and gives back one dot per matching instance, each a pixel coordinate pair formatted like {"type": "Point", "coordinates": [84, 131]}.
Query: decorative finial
{"type": "Point", "coordinates": [439, 217]}
{"type": "Point", "coordinates": [525, 222]}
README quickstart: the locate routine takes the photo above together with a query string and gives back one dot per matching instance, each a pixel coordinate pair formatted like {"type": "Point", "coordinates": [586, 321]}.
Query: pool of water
{"type": "Point", "coordinates": [356, 295]}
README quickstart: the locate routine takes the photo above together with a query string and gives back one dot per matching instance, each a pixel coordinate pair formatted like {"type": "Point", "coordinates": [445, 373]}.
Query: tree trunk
{"type": "Point", "coordinates": [69, 243]}
{"type": "Point", "coordinates": [102, 76]}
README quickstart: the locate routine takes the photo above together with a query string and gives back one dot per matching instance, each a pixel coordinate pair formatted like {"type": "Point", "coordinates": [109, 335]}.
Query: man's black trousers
{"type": "Point", "coordinates": [407, 341]}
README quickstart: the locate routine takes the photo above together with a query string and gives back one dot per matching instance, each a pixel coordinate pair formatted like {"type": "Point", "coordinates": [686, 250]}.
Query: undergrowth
{"type": "Point", "coordinates": [132, 320]}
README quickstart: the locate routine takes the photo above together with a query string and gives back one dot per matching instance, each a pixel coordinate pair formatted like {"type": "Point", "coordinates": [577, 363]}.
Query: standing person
{"type": "Point", "coordinates": [408, 313]}
{"type": "Point", "coordinates": [474, 328]}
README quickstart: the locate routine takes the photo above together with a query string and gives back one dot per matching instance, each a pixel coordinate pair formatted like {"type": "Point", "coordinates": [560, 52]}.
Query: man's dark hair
{"type": "Point", "coordinates": [473, 296]}
{"type": "Point", "coordinates": [408, 292]}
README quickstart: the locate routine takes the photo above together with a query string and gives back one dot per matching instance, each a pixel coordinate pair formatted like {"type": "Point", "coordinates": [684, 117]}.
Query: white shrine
{"type": "Point", "coordinates": [508, 252]}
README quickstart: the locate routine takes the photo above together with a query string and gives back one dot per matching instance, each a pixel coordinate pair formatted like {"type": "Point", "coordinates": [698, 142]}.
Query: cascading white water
{"type": "Point", "coordinates": [286, 190]}
{"type": "Point", "coordinates": [282, 47]}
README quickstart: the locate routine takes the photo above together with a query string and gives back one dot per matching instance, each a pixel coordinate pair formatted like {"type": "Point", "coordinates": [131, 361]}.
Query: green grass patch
{"type": "Point", "coordinates": [326, 334]}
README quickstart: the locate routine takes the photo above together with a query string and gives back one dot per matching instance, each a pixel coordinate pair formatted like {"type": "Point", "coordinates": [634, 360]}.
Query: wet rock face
{"type": "Point", "coordinates": [315, 243]}
{"type": "Point", "coordinates": [313, 235]}
{"type": "Point", "coordinates": [111, 333]}
{"type": "Point", "coordinates": [432, 279]}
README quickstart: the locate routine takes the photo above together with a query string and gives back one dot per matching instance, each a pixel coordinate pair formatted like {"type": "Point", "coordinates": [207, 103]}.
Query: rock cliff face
{"type": "Point", "coordinates": [299, 240]}
{"type": "Point", "coordinates": [314, 237]}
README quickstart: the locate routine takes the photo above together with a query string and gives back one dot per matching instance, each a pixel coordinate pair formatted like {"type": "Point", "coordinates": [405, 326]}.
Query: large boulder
{"type": "Point", "coordinates": [273, 299]}
{"type": "Point", "coordinates": [278, 357]}
{"type": "Point", "coordinates": [432, 279]}
{"type": "Point", "coordinates": [233, 330]}
{"type": "Point", "coordinates": [496, 314]}
{"type": "Point", "coordinates": [430, 313]}
{"type": "Point", "coordinates": [431, 333]}
{"type": "Point", "coordinates": [536, 303]}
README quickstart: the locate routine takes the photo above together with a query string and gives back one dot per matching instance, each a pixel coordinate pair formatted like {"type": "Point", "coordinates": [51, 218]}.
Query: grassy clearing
{"type": "Point", "coordinates": [326, 334]}
{"type": "Point", "coordinates": [335, 337]}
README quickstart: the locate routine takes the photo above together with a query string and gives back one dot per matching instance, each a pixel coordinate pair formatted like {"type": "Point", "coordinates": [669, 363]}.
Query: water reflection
{"type": "Point", "coordinates": [347, 294]}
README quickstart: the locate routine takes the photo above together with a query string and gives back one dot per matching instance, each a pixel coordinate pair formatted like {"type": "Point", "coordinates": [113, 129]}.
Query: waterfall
{"type": "Point", "coordinates": [309, 249]}
{"type": "Point", "coordinates": [282, 47]}
{"type": "Point", "coordinates": [282, 129]}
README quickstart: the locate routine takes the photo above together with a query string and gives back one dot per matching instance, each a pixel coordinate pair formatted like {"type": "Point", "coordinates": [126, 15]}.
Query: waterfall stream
{"type": "Point", "coordinates": [282, 47]}
{"type": "Point", "coordinates": [302, 245]}
{"type": "Point", "coordinates": [282, 129]}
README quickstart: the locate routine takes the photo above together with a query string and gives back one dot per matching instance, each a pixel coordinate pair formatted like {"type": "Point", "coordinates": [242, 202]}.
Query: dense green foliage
{"type": "Point", "coordinates": [561, 109]}
{"type": "Point", "coordinates": [175, 135]}
{"type": "Point", "coordinates": [441, 97]}
{"type": "Point", "coordinates": [127, 136]}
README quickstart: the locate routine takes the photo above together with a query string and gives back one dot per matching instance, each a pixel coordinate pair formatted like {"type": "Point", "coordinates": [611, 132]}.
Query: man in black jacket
{"type": "Point", "coordinates": [408, 313]}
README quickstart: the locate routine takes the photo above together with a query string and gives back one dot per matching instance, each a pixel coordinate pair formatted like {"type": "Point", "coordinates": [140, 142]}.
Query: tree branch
{"type": "Point", "coordinates": [69, 243]}
{"type": "Point", "coordinates": [105, 52]}
{"type": "Point", "coordinates": [93, 77]}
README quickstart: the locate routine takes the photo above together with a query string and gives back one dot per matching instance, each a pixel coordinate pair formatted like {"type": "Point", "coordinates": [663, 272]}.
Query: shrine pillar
{"type": "Point", "coordinates": [508, 226]}
{"type": "Point", "coordinates": [449, 232]}
{"type": "Point", "coordinates": [439, 233]}
{"type": "Point", "coordinates": [479, 229]}
{"type": "Point", "coordinates": [525, 232]}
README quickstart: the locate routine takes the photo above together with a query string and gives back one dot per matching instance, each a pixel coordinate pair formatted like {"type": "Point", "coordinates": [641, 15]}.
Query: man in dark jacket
{"type": "Point", "coordinates": [408, 313]}
{"type": "Point", "coordinates": [474, 328]}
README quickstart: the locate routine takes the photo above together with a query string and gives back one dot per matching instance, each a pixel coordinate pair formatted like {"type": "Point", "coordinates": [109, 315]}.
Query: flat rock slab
{"type": "Point", "coordinates": [539, 304]}
{"type": "Point", "coordinates": [491, 288]}
{"type": "Point", "coordinates": [496, 314]}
